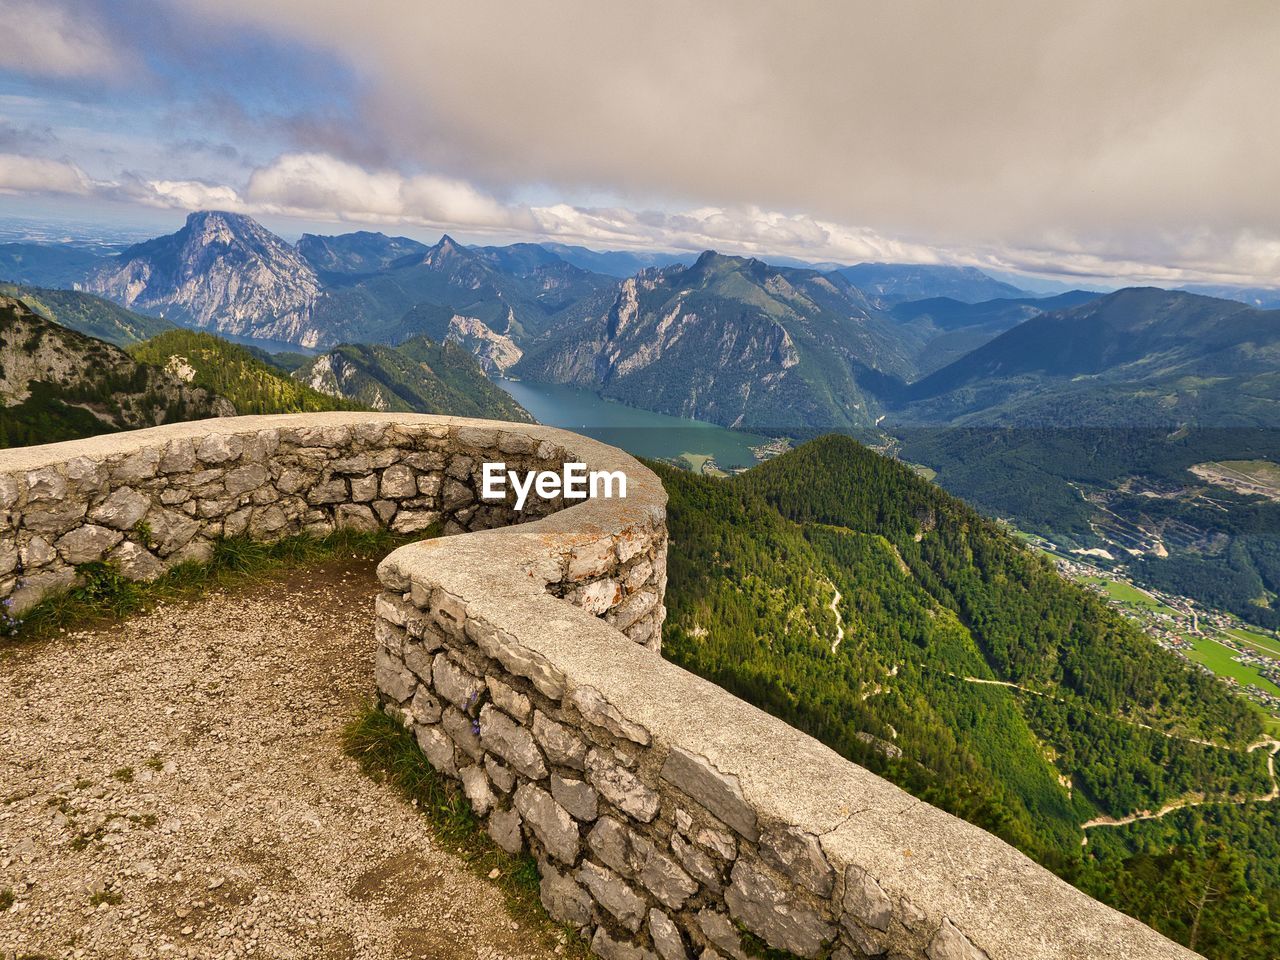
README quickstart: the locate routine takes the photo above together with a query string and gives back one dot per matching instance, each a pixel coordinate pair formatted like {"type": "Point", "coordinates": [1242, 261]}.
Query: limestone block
{"type": "Point", "coordinates": [54, 517]}
{"type": "Point", "coordinates": [697, 864]}
{"type": "Point", "coordinates": [355, 516]}
{"type": "Point", "coordinates": [718, 792]}
{"type": "Point", "coordinates": [621, 787]}
{"type": "Point", "coordinates": [719, 929]}
{"type": "Point", "coordinates": [550, 822]}
{"type": "Point", "coordinates": [122, 509]}
{"type": "Point", "coordinates": [512, 742]}
{"type": "Point", "coordinates": [136, 563]}
{"type": "Point", "coordinates": [799, 856]}
{"type": "Point", "coordinates": [604, 946]}
{"type": "Point", "coordinates": [216, 448]}
{"type": "Point", "coordinates": [414, 521]}
{"type": "Point", "coordinates": [564, 899]}
{"type": "Point", "coordinates": [455, 684]}
{"type": "Point", "coordinates": [243, 479]}
{"type": "Point", "coordinates": [775, 913]}
{"type": "Point", "coordinates": [499, 775]}
{"type": "Point", "coordinates": [666, 937]}
{"type": "Point", "coordinates": [87, 543]}
{"type": "Point", "coordinates": [950, 944]}
{"type": "Point", "coordinates": [37, 552]}
{"type": "Point", "coordinates": [594, 708]}
{"type": "Point", "coordinates": [504, 828]}
{"type": "Point", "coordinates": [169, 530]}
{"type": "Point", "coordinates": [398, 482]}
{"type": "Point", "coordinates": [475, 784]}
{"type": "Point", "coordinates": [462, 731]}
{"type": "Point", "coordinates": [638, 858]}
{"type": "Point", "coordinates": [438, 749]}
{"type": "Point", "coordinates": [612, 892]}
{"type": "Point", "coordinates": [512, 702]}
{"type": "Point", "coordinates": [392, 678]}
{"type": "Point", "coordinates": [864, 900]}
{"type": "Point", "coordinates": [563, 746]}
{"type": "Point", "coordinates": [330, 491]}
{"type": "Point", "coordinates": [575, 796]}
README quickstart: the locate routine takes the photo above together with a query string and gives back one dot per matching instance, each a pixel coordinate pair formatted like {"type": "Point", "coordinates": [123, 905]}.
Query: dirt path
{"type": "Point", "coordinates": [1197, 800]}
{"type": "Point", "coordinates": [175, 787]}
{"type": "Point", "coordinates": [835, 608]}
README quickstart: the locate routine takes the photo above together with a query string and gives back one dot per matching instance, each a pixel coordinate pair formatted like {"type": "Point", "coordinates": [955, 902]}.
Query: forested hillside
{"type": "Point", "coordinates": [842, 592]}
{"type": "Point", "coordinates": [57, 384]}
{"type": "Point", "coordinates": [235, 372]}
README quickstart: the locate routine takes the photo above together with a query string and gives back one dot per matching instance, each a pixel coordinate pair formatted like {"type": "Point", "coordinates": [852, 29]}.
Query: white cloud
{"type": "Point", "coordinates": [44, 38]}
{"type": "Point", "coordinates": [23, 174]}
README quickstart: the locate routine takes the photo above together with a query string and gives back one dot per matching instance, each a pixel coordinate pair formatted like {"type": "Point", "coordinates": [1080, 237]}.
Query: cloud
{"type": "Point", "coordinates": [24, 174]}
{"type": "Point", "coordinates": [47, 39]}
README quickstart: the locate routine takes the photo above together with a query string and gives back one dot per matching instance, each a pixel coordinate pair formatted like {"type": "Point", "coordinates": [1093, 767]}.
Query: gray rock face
{"type": "Point", "coordinates": [512, 742]}
{"type": "Point", "coordinates": [718, 792]}
{"type": "Point", "coordinates": [504, 828]}
{"type": "Point", "coordinates": [604, 946]}
{"type": "Point", "coordinates": [798, 856]}
{"type": "Point", "coordinates": [563, 747]}
{"type": "Point", "coordinates": [612, 893]}
{"type": "Point", "coordinates": [550, 823]}
{"type": "Point", "coordinates": [639, 859]}
{"type": "Point", "coordinates": [621, 787]}
{"type": "Point", "coordinates": [438, 750]}
{"type": "Point", "coordinates": [455, 684]}
{"type": "Point", "coordinates": [698, 864]}
{"type": "Point", "coordinates": [122, 509]}
{"type": "Point", "coordinates": [666, 937]}
{"type": "Point", "coordinates": [950, 944]}
{"type": "Point", "coordinates": [564, 899]}
{"type": "Point", "coordinates": [575, 796]}
{"type": "Point", "coordinates": [864, 900]}
{"type": "Point", "coordinates": [719, 929]}
{"type": "Point", "coordinates": [87, 543]}
{"type": "Point", "coordinates": [770, 912]}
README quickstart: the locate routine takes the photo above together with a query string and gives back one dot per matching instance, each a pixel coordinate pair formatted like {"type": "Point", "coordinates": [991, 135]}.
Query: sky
{"type": "Point", "coordinates": [1095, 141]}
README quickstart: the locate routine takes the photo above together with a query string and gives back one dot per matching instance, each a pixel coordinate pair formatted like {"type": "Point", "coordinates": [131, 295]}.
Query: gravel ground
{"type": "Point", "coordinates": [174, 787]}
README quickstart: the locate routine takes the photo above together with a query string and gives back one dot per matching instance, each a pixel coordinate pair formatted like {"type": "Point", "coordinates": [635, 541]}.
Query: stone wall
{"type": "Point", "coordinates": [670, 819]}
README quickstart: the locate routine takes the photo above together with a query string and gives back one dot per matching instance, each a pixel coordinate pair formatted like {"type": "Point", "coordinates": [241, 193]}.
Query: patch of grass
{"type": "Point", "coordinates": [155, 763]}
{"type": "Point", "coordinates": [104, 595]}
{"type": "Point", "coordinates": [7, 899]}
{"type": "Point", "coordinates": [124, 774]}
{"type": "Point", "coordinates": [106, 896]}
{"type": "Point", "coordinates": [388, 752]}
{"type": "Point", "coordinates": [1220, 660]}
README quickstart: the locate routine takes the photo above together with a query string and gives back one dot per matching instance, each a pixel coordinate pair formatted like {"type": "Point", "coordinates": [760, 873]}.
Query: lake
{"type": "Point", "coordinates": [639, 432]}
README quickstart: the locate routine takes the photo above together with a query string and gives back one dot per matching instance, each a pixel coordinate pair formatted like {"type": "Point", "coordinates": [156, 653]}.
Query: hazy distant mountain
{"type": "Point", "coordinates": [1140, 355]}
{"type": "Point", "coordinates": [1264, 298]}
{"type": "Point", "coordinates": [419, 376]}
{"type": "Point", "coordinates": [617, 263]}
{"type": "Point", "coordinates": [890, 283]}
{"type": "Point", "coordinates": [223, 271]}
{"type": "Point", "coordinates": [494, 299]}
{"type": "Point", "coordinates": [730, 340]}
{"type": "Point", "coordinates": [943, 329]}
{"type": "Point", "coordinates": [46, 264]}
{"type": "Point", "coordinates": [354, 254]}
{"type": "Point", "coordinates": [88, 314]}
{"type": "Point", "coordinates": [57, 384]}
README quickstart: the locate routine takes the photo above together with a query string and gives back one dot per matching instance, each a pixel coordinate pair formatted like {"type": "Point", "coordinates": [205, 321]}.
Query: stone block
{"type": "Point", "coordinates": [621, 787]}
{"type": "Point", "coordinates": [775, 913]}
{"type": "Point", "coordinates": [718, 792]}
{"type": "Point", "coordinates": [575, 796]}
{"type": "Point", "coordinates": [563, 746]}
{"type": "Point", "coordinates": [550, 822]}
{"type": "Point", "coordinates": [512, 742]}
{"type": "Point", "coordinates": [614, 894]}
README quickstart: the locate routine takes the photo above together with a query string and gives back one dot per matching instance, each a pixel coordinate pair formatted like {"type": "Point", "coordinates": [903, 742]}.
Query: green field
{"type": "Point", "coordinates": [1128, 594]}
{"type": "Point", "coordinates": [697, 462]}
{"type": "Point", "coordinates": [1259, 641]}
{"type": "Point", "coordinates": [1219, 659]}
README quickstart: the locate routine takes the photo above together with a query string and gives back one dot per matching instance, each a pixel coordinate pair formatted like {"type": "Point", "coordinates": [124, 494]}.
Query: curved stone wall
{"type": "Point", "coordinates": [670, 819]}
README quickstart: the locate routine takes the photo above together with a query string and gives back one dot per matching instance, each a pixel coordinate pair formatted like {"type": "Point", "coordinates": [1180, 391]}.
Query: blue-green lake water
{"type": "Point", "coordinates": [639, 432]}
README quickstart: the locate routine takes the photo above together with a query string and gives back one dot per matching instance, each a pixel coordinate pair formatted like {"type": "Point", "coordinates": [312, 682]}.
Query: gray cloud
{"type": "Point", "coordinates": [47, 38]}
{"type": "Point", "coordinates": [1133, 140]}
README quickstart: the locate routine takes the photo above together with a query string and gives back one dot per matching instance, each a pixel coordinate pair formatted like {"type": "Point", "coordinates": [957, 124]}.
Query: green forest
{"type": "Point", "coordinates": [934, 598]}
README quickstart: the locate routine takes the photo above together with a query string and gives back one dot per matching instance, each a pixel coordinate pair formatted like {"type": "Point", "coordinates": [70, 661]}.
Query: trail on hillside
{"type": "Point", "coordinates": [1196, 800]}
{"type": "Point", "coordinates": [835, 608]}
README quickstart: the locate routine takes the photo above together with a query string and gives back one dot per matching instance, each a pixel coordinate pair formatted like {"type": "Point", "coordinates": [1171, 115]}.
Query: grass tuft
{"type": "Point", "coordinates": [387, 752]}
{"type": "Point", "coordinates": [104, 595]}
